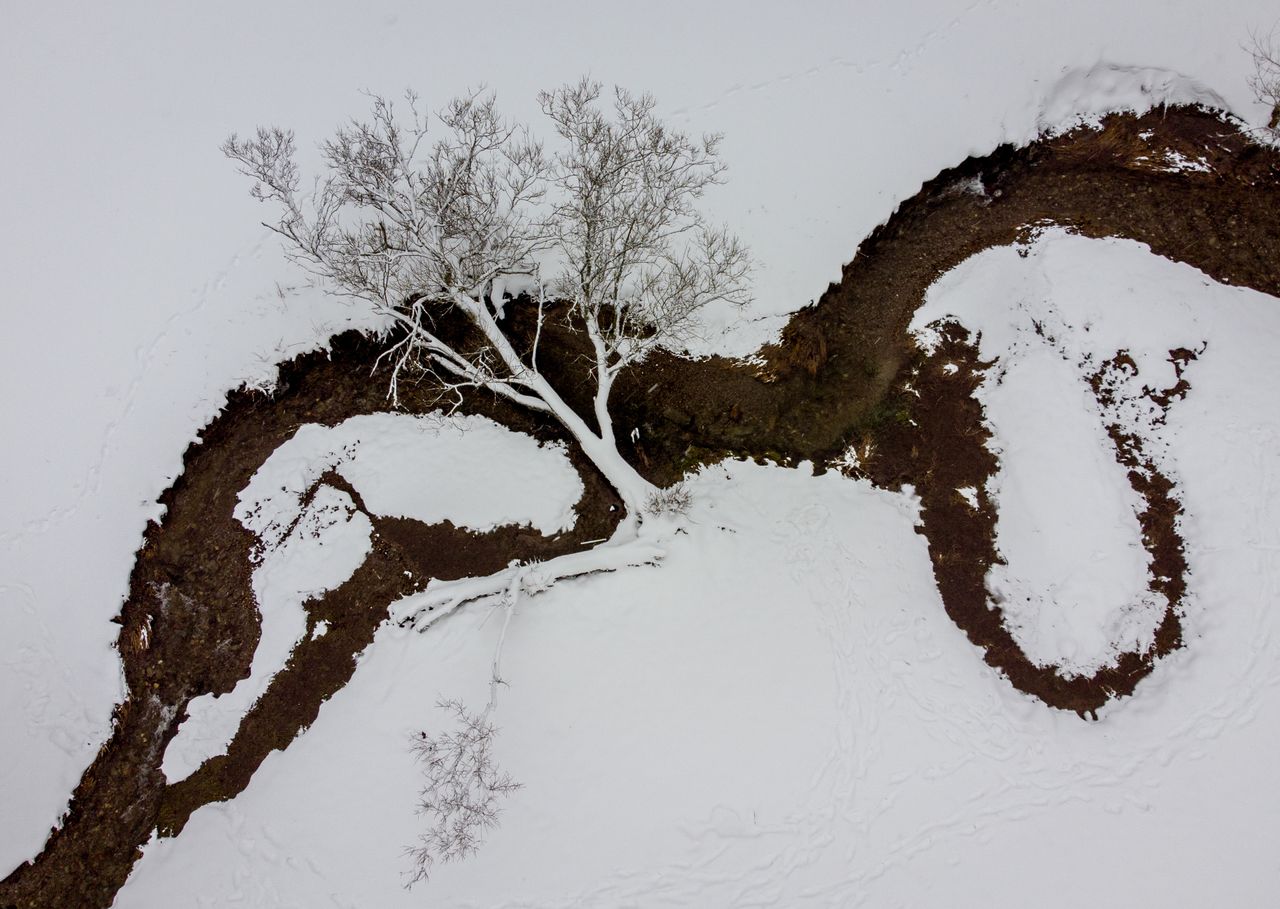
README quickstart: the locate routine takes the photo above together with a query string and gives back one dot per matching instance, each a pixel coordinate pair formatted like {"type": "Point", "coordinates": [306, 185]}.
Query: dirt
{"type": "Point", "coordinates": [190, 626]}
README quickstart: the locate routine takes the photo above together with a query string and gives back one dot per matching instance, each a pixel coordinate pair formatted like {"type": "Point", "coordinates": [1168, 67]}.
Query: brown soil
{"type": "Point", "coordinates": [189, 624]}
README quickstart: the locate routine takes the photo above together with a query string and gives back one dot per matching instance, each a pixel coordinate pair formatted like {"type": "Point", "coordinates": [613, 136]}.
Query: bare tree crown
{"type": "Point", "coordinates": [409, 228]}
{"type": "Point", "coordinates": [639, 259]}
{"type": "Point", "coordinates": [393, 219]}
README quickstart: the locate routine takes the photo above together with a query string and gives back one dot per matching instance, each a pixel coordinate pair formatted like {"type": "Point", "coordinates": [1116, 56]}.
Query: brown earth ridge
{"type": "Point", "coordinates": [837, 380]}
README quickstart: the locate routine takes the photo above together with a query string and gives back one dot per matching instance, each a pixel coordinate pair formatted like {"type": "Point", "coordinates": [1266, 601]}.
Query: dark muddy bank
{"type": "Point", "coordinates": [189, 625]}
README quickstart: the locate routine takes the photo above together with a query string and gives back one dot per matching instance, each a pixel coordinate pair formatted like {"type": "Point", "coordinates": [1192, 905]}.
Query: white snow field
{"type": "Point", "coordinates": [781, 714]}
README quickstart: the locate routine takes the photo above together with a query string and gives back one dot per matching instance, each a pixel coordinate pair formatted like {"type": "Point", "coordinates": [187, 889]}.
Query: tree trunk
{"type": "Point", "coordinates": [602, 450]}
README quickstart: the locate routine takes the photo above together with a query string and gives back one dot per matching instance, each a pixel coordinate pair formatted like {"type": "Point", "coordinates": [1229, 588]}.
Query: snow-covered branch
{"type": "Point", "coordinates": [421, 610]}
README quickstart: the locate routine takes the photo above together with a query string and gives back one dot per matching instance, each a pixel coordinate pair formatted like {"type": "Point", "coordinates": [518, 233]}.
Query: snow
{"type": "Point", "coordinates": [1074, 586]}
{"type": "Point", "coordinates": [830, 118]}
{"type": "Point", "coordinates": [433, 468]}
{"type": "Point", "coordinates": [1082, 97]}
{"type": "Point", "coordinates": [461, 468]}
{"type": "Point", "coordinates": [1176, 162]}
{"type": "Point", "coordinates": [654, 748]}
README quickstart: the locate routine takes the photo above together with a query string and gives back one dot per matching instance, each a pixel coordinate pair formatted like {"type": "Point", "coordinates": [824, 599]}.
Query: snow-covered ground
{"type": "Point", "coordinates": [781, 714]}
{"type": "Point", "coordinates": [832, 114]}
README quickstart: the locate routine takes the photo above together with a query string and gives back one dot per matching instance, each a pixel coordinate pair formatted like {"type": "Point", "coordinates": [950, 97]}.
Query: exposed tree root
{"type": "Point", "coordinates": [421, 610]}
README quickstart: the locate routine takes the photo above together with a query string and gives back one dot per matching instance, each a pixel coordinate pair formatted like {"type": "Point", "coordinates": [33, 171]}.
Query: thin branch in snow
{"type": "Point", "coordinates": [462, 791]}
{"type": "Point", "coordinates": [509, 608]}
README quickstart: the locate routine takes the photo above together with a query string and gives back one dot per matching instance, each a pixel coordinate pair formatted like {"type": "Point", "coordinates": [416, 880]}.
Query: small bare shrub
{"type": "Point", "coordinates": [675, 500]}
{"type": "Point", "coordinates": [463, 788]}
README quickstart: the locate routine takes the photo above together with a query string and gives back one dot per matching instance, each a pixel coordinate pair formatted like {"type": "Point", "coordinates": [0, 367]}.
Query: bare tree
{"type": "Point", "coordinates": [425, 230]}
{"type": "Point", "coordinates": [1265, 80]}
{"type": "Point", "coordinates": [418, 230]}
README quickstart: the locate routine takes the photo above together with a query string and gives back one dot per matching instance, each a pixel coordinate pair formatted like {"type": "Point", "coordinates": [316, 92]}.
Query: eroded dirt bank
{"type": "Point", "coordinates": [840, 356]}
{"type": "Point", "coordinates": [189, 625]}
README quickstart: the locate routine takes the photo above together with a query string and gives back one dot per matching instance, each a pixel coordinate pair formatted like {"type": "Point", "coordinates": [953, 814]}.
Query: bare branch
{"type": "Point", "coordinates": [411, 231]}
{"type": "Point", "coordinates": [640, 260]}
{"type": "Point", "coordinates": [1265, 81]}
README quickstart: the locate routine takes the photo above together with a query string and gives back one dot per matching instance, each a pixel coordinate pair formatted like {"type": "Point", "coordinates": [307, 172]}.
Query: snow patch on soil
{"type": "Point", "coordinates": [312, 538]}
{"type": "Point", "coordinates": [1176, 162]}
{"type": "Point", "coordinates": [1074, 587]}
{"type": "Point", "coordinates": [464, 468]}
